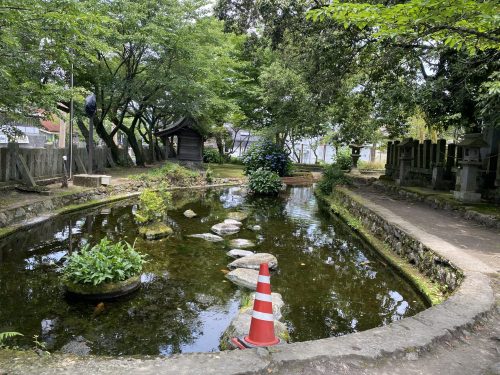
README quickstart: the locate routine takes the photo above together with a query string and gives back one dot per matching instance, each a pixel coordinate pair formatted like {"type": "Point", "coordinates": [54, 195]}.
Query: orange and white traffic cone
{"type": "Point", "coordinates": [262, 323]}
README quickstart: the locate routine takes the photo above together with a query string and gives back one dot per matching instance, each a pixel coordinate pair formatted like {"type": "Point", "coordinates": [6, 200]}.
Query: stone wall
{"type": "Point", "coordinates": [434, 266]}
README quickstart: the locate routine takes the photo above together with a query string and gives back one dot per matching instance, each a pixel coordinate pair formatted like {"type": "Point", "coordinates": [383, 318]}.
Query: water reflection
{"type": "Point", "coordinates": [331, 282]}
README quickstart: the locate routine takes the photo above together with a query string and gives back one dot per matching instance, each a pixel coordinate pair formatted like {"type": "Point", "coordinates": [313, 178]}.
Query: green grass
{"type": "Point", "coordinates": [226, 170]}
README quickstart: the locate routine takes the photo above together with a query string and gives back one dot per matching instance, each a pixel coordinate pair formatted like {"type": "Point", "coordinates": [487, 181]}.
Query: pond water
{"type": "Point", "coordinates": [332, 283]}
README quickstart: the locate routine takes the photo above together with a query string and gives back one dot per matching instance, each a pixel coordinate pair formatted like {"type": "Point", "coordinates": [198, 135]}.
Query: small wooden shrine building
{"type": "Point", "coordinates": [183, 140]}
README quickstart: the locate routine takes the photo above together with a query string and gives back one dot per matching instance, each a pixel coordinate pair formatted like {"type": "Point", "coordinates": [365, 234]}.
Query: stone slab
{"type": "Point", "coordinates": [254, 261]}
{"type": "Point", "coordinates": [241, 243]}
{"type": "Point", "coordinates": [239, 253]}
{"type": "Point", "coordinates": [244, 277]}
{"type": "Point", "coordinates": [207, 236]}
{"type": "Point", "coordinates": [223, 229]}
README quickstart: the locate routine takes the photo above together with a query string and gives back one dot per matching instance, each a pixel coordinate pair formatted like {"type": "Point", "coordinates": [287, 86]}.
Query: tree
{"type": "Point", "coordinates": [38, 42]}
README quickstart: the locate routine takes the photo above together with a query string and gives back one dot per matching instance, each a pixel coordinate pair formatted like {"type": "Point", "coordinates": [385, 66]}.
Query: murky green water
{"type": "Point", "coordinates": [331, 282]}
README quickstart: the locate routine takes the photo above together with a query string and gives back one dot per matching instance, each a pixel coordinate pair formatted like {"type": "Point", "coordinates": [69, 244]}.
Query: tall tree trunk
{"type": "Point", "coordinates": [139, 158]}
{"type": "Point", "coordinates": [108, 140]}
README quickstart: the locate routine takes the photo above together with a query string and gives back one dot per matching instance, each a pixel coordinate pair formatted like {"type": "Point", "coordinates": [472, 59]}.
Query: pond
{"type": "Point", "coordinates": [332, 282]}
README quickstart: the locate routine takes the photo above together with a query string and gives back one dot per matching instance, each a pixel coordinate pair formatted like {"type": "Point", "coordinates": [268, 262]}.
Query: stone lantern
{"type": "Point", "coordinates": [471, 163]}
{"type": "Point", "coordinates": [355, 155]}
{"type": "Point", "coordinates": [405, 158]}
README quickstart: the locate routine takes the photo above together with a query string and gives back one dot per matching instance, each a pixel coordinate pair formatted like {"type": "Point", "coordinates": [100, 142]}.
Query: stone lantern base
{"type": "Point", "coordinates": [467, 196]}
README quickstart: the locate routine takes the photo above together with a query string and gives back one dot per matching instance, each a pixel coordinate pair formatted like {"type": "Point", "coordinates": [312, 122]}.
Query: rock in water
{"type": "Point", "coordinates": [238, 253]}
{"type": "Point", "coordinates": [237, 215]}
{"type": "Point", "coordinates": [256, 228]}
{"type": "Point", "coordinates": [244, 277]}
{"type": "Point", "coordinates": [190, 214]}
{"type": "Point", "coordinates": [240, 325]}
{"type": "Point", "coordinates": [208, 237]}
{"type": "Point", "coordinates": [225, 229]}
{"type": "Point", "coordinates": [253, 261]}
{"type": "Point", "coordinates": [155, 231]}
{"type": "Point", "coordinates": [241, 243]}
{"type": "Point", "coordinates": [233, 222]}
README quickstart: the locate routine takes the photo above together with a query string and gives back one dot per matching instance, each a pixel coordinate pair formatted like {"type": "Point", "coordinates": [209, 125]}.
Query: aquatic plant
{"type": "Point", "coordinates": [263, 181]}
{"type": "Point", "coordinates": [153, 205]}
{"type": "Point", "coordinates": [105, 262]}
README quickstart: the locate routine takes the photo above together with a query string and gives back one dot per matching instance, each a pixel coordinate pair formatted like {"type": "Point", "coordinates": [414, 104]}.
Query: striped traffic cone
{"type": "Point", "coordinates": [262, 323]}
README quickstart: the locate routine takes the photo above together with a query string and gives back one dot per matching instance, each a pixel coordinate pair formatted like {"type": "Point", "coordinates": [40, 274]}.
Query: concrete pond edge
{"type": "Point", "coordinates": [470, 300]}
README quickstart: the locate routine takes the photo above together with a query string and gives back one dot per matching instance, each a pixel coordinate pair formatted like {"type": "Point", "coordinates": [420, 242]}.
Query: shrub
{"type": "Point", "coordinates": [267, 155]}
{"type": "Point", "coordinates": [212, 155]}
{"type": "Point", "coordinates": [332, 176]}
{"type": "Point", "coordinates": [152, 205]}
{"type": "Point", "coordinates": [170, 173]}
{"type": "Point", "coordinates": [105, 262]}
{"type": "Point", "coordinates": [263, 181]}
{"type": "Point", "coordinates": [209, 175]}
{"type": "Point", "coordinates": [343, 159]}
{"type": "Point", "coordinates": [370, 165]}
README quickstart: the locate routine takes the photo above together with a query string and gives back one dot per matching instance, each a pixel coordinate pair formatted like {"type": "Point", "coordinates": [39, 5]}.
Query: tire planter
{"type": "Point", "coordinates": [104, 291]}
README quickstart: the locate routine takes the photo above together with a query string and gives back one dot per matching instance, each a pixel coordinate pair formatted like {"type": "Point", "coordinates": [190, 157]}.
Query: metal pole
{"type": "Point", "coordinates": [71, 115]}
{"type": "Point", "coordinates": [91, 144]}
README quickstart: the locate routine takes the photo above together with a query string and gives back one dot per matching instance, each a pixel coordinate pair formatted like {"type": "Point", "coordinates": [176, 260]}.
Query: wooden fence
{"type": "Point", "coordinates": [47, 163]}
{"type": "Point", "coordinates": [426, 159]}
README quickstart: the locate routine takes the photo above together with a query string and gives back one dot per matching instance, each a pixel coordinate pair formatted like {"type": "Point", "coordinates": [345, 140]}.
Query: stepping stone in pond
{"type": "Point", "coordinates": [190, 214]}
{"type": "Point", "coordinates": [256, 228]}
{"type": "Point", "coordinates": [155, 231]}
{"type": "Point", "coordinates": [225, 229]}
{"type": "Point", "coordinates": [207, 236]}
{"type": "Point", "coordinates": [241, 243]}
{"type": "Point", "coordinates": [237, 215]}
{"type": "Point", "coordinates": [233, 222]}
{"type": "Point", "coordinates": [253, 261]}
{"type": "Point", "coordinates": [239, 253]}
{"type": "Point", "coordinates": [244, 277]}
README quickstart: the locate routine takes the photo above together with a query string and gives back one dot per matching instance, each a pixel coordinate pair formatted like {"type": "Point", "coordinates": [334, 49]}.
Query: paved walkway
{"type": "Point", "coordinates": [477, 351]}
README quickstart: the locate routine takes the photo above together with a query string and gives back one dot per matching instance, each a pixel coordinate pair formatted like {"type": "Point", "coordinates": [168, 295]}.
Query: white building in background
{"type": "Point", "coordinates": [307, 150]}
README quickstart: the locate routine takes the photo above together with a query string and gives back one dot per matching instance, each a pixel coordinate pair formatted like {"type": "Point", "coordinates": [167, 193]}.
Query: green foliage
{"type": "Point", "coordinates": [267, 155]}
{"type": "Point", "coordinates": [212, 155]}
{"type": "Point", "coordinates": [461, 24]}
{"type": "Point", "coordinates": [6, 335]}
{"type": "Point", "coordinates": [170, 174]}
{"type": "Point", "coordinates": [332, 176]}
{"type": "Point", "coordinates": [265, 182]}
{"type": "Point", "coordinates": [343, 159]}
{"type": "Point", "coordinates": [105, 262]}
{"type": "Point", "coordinates": [153, 205]}
{"type": "Point", "coordinates": [370, 165]}
{"type": "Point", "coordinates": [209, 175]}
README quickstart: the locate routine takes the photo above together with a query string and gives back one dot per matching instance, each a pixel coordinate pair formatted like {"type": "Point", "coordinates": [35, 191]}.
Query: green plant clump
{"type": "Point", "coordinates": [343, 159]}
{"type": "Point", "coordinates": [267, 155]}
{"type": "Point", "coordinates": [332, 176]}
{"type": "Point", "coordinates": [170, 174]}
{"type": "Point", "coordinates": [153, 205]}
{"type": "Point", "coordinates": [212, 155]}
{"type": "Point", "coordinates": [6, 335]}
{"type": "Point", "coordinates": [265, 182]}
{"type": "Point", "coordinates": [105, 262]}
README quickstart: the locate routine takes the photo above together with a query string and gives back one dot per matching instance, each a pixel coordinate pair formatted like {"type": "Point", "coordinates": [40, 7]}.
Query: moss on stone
{"type": "Point", "coordinates": [155, 231]}
{"type": "Point", "coordinates": [431, 291]}
{"type": "Point", "coordinates": [105, 288]}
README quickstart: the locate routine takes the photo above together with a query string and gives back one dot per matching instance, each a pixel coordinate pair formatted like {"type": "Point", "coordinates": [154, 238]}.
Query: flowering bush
{"type": "Point", "coordinates": [267, 155]}
{"type": "Point", "coordinates": [263, 181]}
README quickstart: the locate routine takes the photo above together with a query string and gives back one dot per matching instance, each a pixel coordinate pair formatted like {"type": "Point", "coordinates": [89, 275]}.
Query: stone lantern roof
{"type": "Point", "coordinates": [473, 141]}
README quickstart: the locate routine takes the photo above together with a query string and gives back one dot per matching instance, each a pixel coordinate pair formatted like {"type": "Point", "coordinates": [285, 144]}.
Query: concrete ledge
{"type": "Point", "coordinates": [471, 301]}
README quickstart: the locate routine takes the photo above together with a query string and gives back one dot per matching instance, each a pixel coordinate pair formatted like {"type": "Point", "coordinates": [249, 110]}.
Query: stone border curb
{"type": "Point", "coordinates": [471, 301]}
